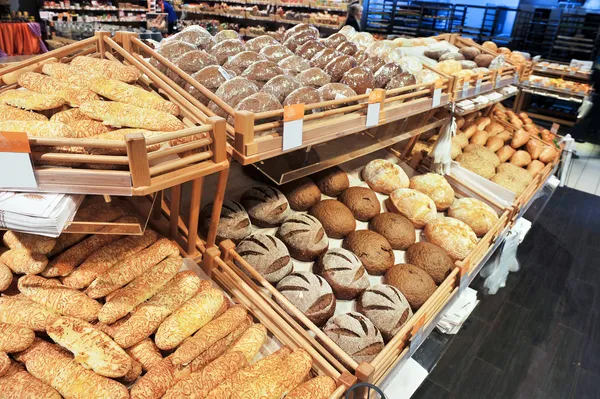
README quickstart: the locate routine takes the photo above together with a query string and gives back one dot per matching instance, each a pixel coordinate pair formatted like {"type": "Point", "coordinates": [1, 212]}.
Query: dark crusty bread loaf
{"type": "Point", "coordinates": [258, 43]}
{"type": "Point", "coordinates": [267, 255]}
{"type": "Point", "coordinates": [281, 86]}
{"type": "Point", "coordinates": [275, 52]}
{"type": "Point", "coordinates": [386, 307]}
{"type": "Point", "coordinates": [301, 194]}
{"type": "Point", "coordinates": [431, 258]}
{"type": "Point", "coordinates": [227, 48]}
{"type": "Point", "coordinates": [338, 66]}
{"type": "Point", "coordinates": [309, 48]}
{"type": "Point", "coordinates": [336, 218]}
{"type": "Point", "coordinates": [362, 201]}
{"type": "Point", "coordinates": [304, 236]}
{"type": "Point", "coordinates": [373, 250]}
{"type": "Point", "coordinates": [313, 77]}
{"type": "Point", "coordinates": [303, 95]}
{"type": "Point", "coordinates": [266, 206]}
{"type": "Point", "coordinates": [343, 271]}
{"type": "Point", "coordinates": [398, 230]}
{"type": "Point", "coordinates": [359, 79]}
{"type": "Point", "coordinates": [373, 63]}
{"type": "Point", "coordinates": [356, 335]}
{"type": "Point", "coordinates": [311, 294]}
{"type": "Point", "coordinates": [332, 181]}
{"type": "Point", "coordinates": [414, 282]}
{"type": "Point", "coordinates": [234, 223]}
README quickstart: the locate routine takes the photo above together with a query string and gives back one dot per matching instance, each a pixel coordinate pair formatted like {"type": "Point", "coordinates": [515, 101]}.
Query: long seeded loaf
{"type": "Point", "coordinates": [15, 338]}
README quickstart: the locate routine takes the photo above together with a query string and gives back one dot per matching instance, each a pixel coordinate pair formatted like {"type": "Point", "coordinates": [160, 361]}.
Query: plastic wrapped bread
{"type": "Point", "coordinates": [313, 77]}
{"type": "Point", "coordinates": [401, 80]}
{"type": "Point", "coordinates": [232, 92]}
{"type": "Point", "coordinates": [335, 91]}
{"type": "Point", "coordinates": [146, 353]}
{"type": "Point", "coordinates": [211, 77]}
{"type": "Point", "coordinates": [32, 242]}
{"type": "Point", "coordinates": [118, 91]}
{"type": "Point", "coordinates": [260, 72]}
{"type": "Point", "coordinates": [15, 338]}
{"type": "Point", "coordinates": [8, 113]}
{"type": "Point", "coordinates": [68, 116]}
{"type": "Point", "coordinates": [139, 290]}
{"type": "Point", "coordinates": [275, 53]}
{"type": "Point", "coordinates": [348, 31]}
{"type": "Point", "coordinates": [359, 79]}
{"type": "Point", "coordinates": [323, 57]}
{"type": "Point", "coordinates": [250, 342]}
{"type": "Point", "coordinates": [110, 69]}
{"type": "Point", "coordinates": [191, 62]}
{"type": "Point", "coordinates": [171, 50]}
{"type": "Point", "coordinates": [411, 64]}
{"type": "Point", "coordinates": [43, 84]}
{"type": "Point", "coordinates": [126, 115]}
{"type": "Point", "coordinates": [57, 369]}
{"type": "Point", "coordinates": [373, 63]}
{"type": "Point", "coordinates": [257, 102]}
{"type": "Point", "coordinates": [258, 43]}
{"type": "Point", "coordinates": [227, 48]}
{"type": "Point", "coordinates": [300, 28]}
{"type": "Point", "coordinates": [21, 261]}
{"type": "Point", "coordinates": [298, 39]}
{"type": "Point", "coordinates": [227, 34]}
{"type": "Point", "coordinates": [280, 86]}
{"type": "Point", "coordinates": [309, 49]}
{"type": "Point", "coordinates": [37, 128]}
{"type": "Point", "coordinates": [303, 95]}
{"type": "Point", "coordinates": [6, 277]}
{"type": "Point", "coordinates": [21, 311]}
{"type": "Point", "coordinates": [126, 271]}
{"type": "Point", "coordinates": [62, 299]}
{"type": "Point", "coordinates": [337, 67]}
{"type": "Point", "coordinates": [384, 74]}
{"type": "Point", "coordinates": [194, 35]}
{"type": "Point", "coordinates": [17, 383]}
{"type": "Point", "coordinates": [31, 100]}
{"type": "Point", "coordinates": [294, 64]}
{"type": "Point", "coordinates": [146, 319]}
{"type": "Point", "coordinates": [239, 62]}
{"type": "Point", "coordinates": [347, 48]}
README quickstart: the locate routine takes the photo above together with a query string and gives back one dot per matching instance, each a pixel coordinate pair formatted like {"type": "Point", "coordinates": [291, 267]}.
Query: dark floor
{"type": "Point", "coordinates": [539, 337]}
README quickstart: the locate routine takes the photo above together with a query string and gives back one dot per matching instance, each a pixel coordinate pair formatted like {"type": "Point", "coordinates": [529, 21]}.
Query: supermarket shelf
{"type": "Point", "coordinates": [555, 93]}
{"type": "Point", "coordinates": [93, 9]}
{"type": "Point", "coordinates": [460, 112]}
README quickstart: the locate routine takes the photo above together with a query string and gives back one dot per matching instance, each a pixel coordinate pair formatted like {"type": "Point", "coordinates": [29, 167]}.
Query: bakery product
{"type": "Point", "coordinates": [311, 294]}
{"type": "Point", "coordinates": [373, 63]}
{"type": "Point", "coordinates": [384, 176]}
{"type": "Point", "coordinates": [266, 206]}
{"type": "Point", "coordinates": [126, 115]}
{"type": "Point", "coordinates": [304, 236]}
{"type": "Point", "coordinates": [23, 312]}
{"type": "Point", "coordinates": [146, 353]}
{"type": "Point", "coordinates": [22, 384]}
{"type": "Point", "coordinates": [386, 307]}
{"type": "Point", "coordinates": [6, 277]}
{"type": "Point", "coordinates": [344, 272]}
{"type": "Point", "coordinates": [15, 338]}
{"type": "Point", "coordinates": [362, 202]}
{"type": "Point", "coordinates": [21, 261]}
{"type": "Point", "coordinates": [452, 235]}
{"type": "Point", "coordinates": [338, 66]}
{"type": "Point", "coordinates": [275, 52]}
{"type": "Point", "coordinates": [332, 181]}
{"type": "Point", "coordinates": [232, 92]}
{"type": "Point", "coordinates": [313, 77]}
{"type": "Point", "coordinates": [301, 194]}
{"type": "Point", "coordinates": [385, 73]}
{"type": "Point", "coordinates": [477, 164]}
{"type": "Point", "coordinates": [475, 213]}
{"type": "Point", "coordinates": [323, 57]}
{"type": "Point", "coordinates": [373, 250]}
{"type": "Point", "coordinates": [431, 258]}
{"type": "Point", "coordinates": [414, 282]}
{"type": "Point", "coordinates": [315, 388]}
{"type": "Point", "coordinates": [261, 72]}
{"type": "Point", "coordinates": [414, 205]}
{"type": "Point", "coordinates": [398, 230]}
{"type": "Point", "coordinates": [356, 335]}
{"type": "Point", "coordinates": [281, 86]}
{"type": "Point", "coordinates": [359, 79]}
{"type": "Point", "coordinates": [250, 342]}
{"type": "Point", "coordinates": [234, 222]}
{"type": "Point", "coordinates": [303, 95]}
{"type": "Point", "coordinates": [336, 218]}
{"type": "Point", "coordinates": [435, 187]}
{"type": "Point", "coordinates": [211, 77]}
{"type": "Point", "coordinates": [309, 48]}
{"type": "Point", "coordinates": [267, 255]}
{"type": "Point", "coordinates": [294, 64]}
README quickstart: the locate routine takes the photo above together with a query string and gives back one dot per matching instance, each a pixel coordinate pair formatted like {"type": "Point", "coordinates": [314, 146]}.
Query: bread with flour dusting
{"type": "Point", "coordinates": [356, 335]}
{"type": "Point", "coordinates": [234, 223]}
{"type": "Point", "coordinates": [386, 307]}
{"type": "Point", "coordinates": [267, 255]}
{"type": "Point", "coordinates": [304, 236]}
{"type": "Point", "coordinates": [384, 176]}
{"type": "Point", "coordinates": [266, 206]}
{"type": "Point", "coordinates": [343, 271]}
{"type": "Point", "coordinates": [311, 294]}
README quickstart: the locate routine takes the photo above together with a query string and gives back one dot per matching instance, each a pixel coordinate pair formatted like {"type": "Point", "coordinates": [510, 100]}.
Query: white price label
{"type": "Point", "coordinates": [554, 128]}
{"type": "Point", "coordinates": [478, 86]}
{"type": "Point", "coordinates": [464, 279]}
{"type": "Point", "coordinates": [293, 123]}
{"type": "Point", "coordinates": [15, 156]}
{"type": "Point", "coordinates": [437, 98]}
{"type": "Point", "coordinates": [465, 89]}
{"type": "Point", "coordinates": [373, 114]}
{"type": "Point", "coordinates": [418, 336]}
{"type": "Point", "coordinates": [516, 80]}
{"type": "Point", "coordinates": [544, 68]}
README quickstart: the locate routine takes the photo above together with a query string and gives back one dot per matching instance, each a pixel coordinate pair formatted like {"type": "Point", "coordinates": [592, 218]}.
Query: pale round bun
{"type": "Point", "coordinates": [435, 187]}
{"type": "Point", "coordinates": [414, 205]}
{"type": "Point", "coordinates": [384, 176]}
{"type": "Point", "coordinates": [452, 235]}
{"type": "Point", "coordinates": [476, 213]}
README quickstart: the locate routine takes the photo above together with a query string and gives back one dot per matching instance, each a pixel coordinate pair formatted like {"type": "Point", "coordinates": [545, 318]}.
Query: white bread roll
{"type": "Point", "coordinates": [435, 187]}
{"type": "Point", "coordinates": [475, 213]}
{"type": "Point", "coordinates": [452, 235]}
{"type": "Point", "coordinates": [384, 176]}
{"type": "Point", "coordinates": [414, 205]}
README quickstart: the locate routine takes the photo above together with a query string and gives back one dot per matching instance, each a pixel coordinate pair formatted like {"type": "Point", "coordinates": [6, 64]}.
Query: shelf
{"type": "Point", "coordinates": [461, 112]}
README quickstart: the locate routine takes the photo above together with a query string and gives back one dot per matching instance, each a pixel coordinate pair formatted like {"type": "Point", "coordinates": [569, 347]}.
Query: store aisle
{"type": "Point", "coordinates": [539, 337]}
{"type": "Point", "coordinates": [585, 172]}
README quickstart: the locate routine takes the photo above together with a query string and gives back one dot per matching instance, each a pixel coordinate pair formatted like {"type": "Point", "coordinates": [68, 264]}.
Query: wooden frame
{"type": "Point", "coordinates": [143, 172]}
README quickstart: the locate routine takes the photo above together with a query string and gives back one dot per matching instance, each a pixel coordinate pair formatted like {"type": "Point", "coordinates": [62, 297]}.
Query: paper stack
{"type": "Point", "coordinates": [43, 214]}
{"type": "Point", "coordinates": [458, 313]}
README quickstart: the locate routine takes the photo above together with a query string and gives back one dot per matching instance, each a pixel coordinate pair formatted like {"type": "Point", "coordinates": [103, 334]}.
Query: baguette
{"type": "Point", "coordinates": [102, 260]}
{"type": "Point", "coordinates": [146, 319]}
{"type": "Point", "coordinates": [12, 77]}
{"type": "Point", "coordinates": [110, 329]}
{"type": "Point", "coordinates": [68, 116]}
{"type": "Point", "coordinates": [276, 383]}
{"type": "Point", "coordinates": [146, 353]}
{"type": "Point", "coordinates": [116, 90]}
{"type": "Point", "coordinates": [320, 387]}
{"type": "Point", "coordinates": [21, 261]}
{"type": "Point", "coordinates": [199, 384]}
{"type": "Point", "coordinates": [251, 373]}
{"type": "Point", "coordinates": [158, 380]}
{"type": "Point", "coordinates": [4, 364]}
{"type": "Point", "coordinates": [121, 135]}
{"type": "Point", "coordinates": [250, 342]}
{"type": "Point", "coordinates": [70, 74]}
{"type": "Point", "coordinates": [30, 100]}
{"type": "Point", "coordinates": [209, 334]}
{"type": "Point", "coordinates": [6, 277]}
{"type": "Point", "coordinates": [32, 242]}
{"type": "Point", "coordinates": [125, 115]}
{"type": "Point", "coordinates": [139, 290]}
{"type": "Point", "coordinates": [57, 369]}
{"type": "Point", "coordinates": [38, 128]}
{"type": "Point", "coordinates": [64, 300]}
{"type": "Point", "coordinates": [133, 374]}
{"type": "Point", "coordinates": [19, 384]}
{"type": "Point", "coordinates": [88, 128]}
{"type": "Point", "coordinates": [8, 113]}
{"type": "Point", "coordinates": [92, 348]}
{"type": "Point", "coordinates": [15, 338]}
{"type": "Point", "coordinates": [47, 85]}
{"type": "Point", "coordinates": [124, 272]}
{"type": "Point", "coordinates": [23, 312]}
{"type": "Point", "coordinates": [108, 68]}
{"type": "Point", "coordinates": [189, 318]}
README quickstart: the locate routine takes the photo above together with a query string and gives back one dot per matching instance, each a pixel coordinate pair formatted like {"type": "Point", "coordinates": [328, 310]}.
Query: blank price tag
{"type": "Point", "coordinates": [478, 86]}
{"type": "Point", "coordinates": [418, 335]}
{"type": "Point", "coordinates": [554, 128]}
{"type": "Point", "coordinates": [464, 278]}
{"type": "Point", "coordinates": [437, 94]}
{"type": "Point", "coordinates": [293, 122]}
{"type": "Point", "coordinates": [15, 156]}
{"type": "Point", "coordinates": [374, 107]}
{"type": "Point", "coordinates": [465, 89]}
{"type": "Point", "coordinates": [498, 78]}
{"type": "Point", "coordinates": [516, 79]}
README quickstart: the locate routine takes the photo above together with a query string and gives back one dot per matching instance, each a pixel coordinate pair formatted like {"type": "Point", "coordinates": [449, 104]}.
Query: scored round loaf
{"type": "Point", "coordinates": [435, 187]}
{"type": "Point", "coordinates": [384, 176]}
{"type": "Point", "coordinates": [302, 95]}
{"type": "Point", "coordinates": [386, 307]}
{"type": "Point", "coordinates": [234, 223]}
{"type": "Point", "coordinates": [356, 335]}
{"type": "Point", "coordinates": [266, 206]}
{"type": "Point", "coordinates": [373, 250]}
{"type": "Point", "coordinates": [313, 77]}
{"type": "Point", "coordinates": [336, 218]}
{"type": "Point", "coordinates": [475, 213]}
{"type": "Point", "coordinates": [398, 230]}
{"type": "Point", "coordinates": [359, 79]}
{"type": "Point", "coordinates": [362, 201]}
{"type": "Point", "coordinates": [414, 205]}
{"type": "Point", "coordinates": [304, 236]}
{"type": "Point", "coordinates": [301, 194]}
{"type": "Point", "coordinates": [343, 271]}
{"type": "Point", "coordinates": [431, 258]}
{"type": "Point", "coordinates": [332, 181]}
{"type": "Point", "coordinates": [310, 294]}
{"type": "Point", "coordinates": [338, 66]}
{"type": "Point", "coordinates": [452, 235]}
{"type": "Point", "coordinates": [267, 255]}
{"type": "Point", "coordinates": [412, 281]}
{"type": "Point", "coordinates": [281, 86]}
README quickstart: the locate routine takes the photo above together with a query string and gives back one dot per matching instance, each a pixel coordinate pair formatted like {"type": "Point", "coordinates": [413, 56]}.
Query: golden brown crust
{"type": "Point", "coordinates": [15, 338]}
{"type": "Point", "coordinates": [4, 364]}
{"type": "Point", "coordinates": [250, 342]}
{"type": "Point", "coordinates": [320, 387]}
{"type": "Point", "coordinates": [48, 85]}
{"type": "Point", "coordinates": [31, 100]}
{"type": "Point", "coordinates": [23, 312]}
{"type": "Point", "coordinates": [32, 242]}
{"type": "Point", "coordinates": [88, 128]}
{"type": "Point", "coordinates": [21, 261]}
{"type": "Point", "coordinates": [68, 116]}
{"type": "Point", "coordinates": [8, 113]}
{"type": "Point", "coordinates": [158, 380]}
{"type": "Point", "coordinates": [19, 384]}
{"type": "Point", "coordinates": [146, 353]}
{"type": "Point", "coordinates": [125, 115]}
{"type": "Point", "coordinates": [6, 277]}
{"type": "Point", "coordinates": [108, 68]}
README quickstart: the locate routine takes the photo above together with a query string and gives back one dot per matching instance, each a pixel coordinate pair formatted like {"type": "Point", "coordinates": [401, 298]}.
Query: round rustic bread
{"type": "Point", "coordinates": [373, 250]}
{"type": "Point", "coordinates": [431, 258]}
{"type": "Point", "coordinates": [267, 255]}
{"type": "Point", "coordinates": [323, 57]}
{"type": "Point", "coordinates": [435, 187]}
{"type": "Point", "coordinates": [232, 92]}
{"type": "Point", "coordinates": [303, 95]}
{"type": "Point", "coordinates": [194, 35]}
{"type": "Point", "coordinates": [298, 39]}
{"type": "Point", "coordinates": [257, 102]}
{"type": "Point", "coordinates": [239, 62]}
{"type": "Point", "coordinates": [227, 34]}
{"type": "Point", "coordinates": [384, 176]}
{"type": "Point", "coordinates": [385, 73]}
{"type": "Point", "coordinates": [355, 335]}
{"type": "Point", "coordinates": [310, 294]}
{"type": "Point", "coordinates": [275, 53]}
{"type": "Point", "coordinates": [294, 64]}
{"type": "Point", "coordinates": [335, 40]}
{"type": "Point", "coordinates": [234, 223]}
{"type": "Point", "coordinates": [452, 235]}
{"type": "Point", "coordinates": [386, 307]}
{"type": "Point", "coordinates": [475, 213]}
{"type": "Point", "coordinates": [343, 271]}
{"type": "Point", "coordinates": [362, 201]}
{"type": "Point", "coordinates": [332, 181]}
{"type": "Point", "coordinates": [414, 205]}
{"type": "Point", "coordinates": [403, 79]}
{"type": "Point", "coordinates": [191, 62]}
{"type": "Point", "coordinates": [359, 79]}
{"type": "Point", "coordinates": [309, 49]}
{"type": "Point", "coordinates": [266, 206]}
{"type": "Point", "coordinates": [304, 236]}
{"type": "Point", "coordinates": [258, 43]}
{"type": "Point", "coordinates": [227, 48]}
{"type": "Point", "coordinates": [398, 230]}
{"type": "Point", "coordinates": [373, 63]}
{"type": "Point", "coordinates": [281, 86]}
{"type": "Point", "coordinates": [338, 66]}
{"type": "Point", "coordinates": [336, 218]}
{"type": "Point", "coordinates": [412, 281]}
{"type": "Point", "coordinates": [211, 77]}
{"type": "Point", "coordinates": [301, 194]}
{"type": "Point", "coordinates": [261, 72]}
{"type": "Point", "coordinates": [300, 28]}
{"type": "Point", "coordinates": [348, 48]}
{"type": "Point", "coordinates": [335, 91]}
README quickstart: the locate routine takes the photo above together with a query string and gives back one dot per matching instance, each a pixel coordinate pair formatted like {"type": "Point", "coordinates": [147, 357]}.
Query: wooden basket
{"type": "Point", "coordinates": [142, 172]}
{"type": "Point", "coordinates": [254, 139]}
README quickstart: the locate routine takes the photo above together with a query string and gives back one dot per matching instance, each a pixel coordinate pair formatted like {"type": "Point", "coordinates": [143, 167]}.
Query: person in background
{"type": "Point", "coordinates": [354, 15]}
{"type": "Point", "coordinates": [171, 16]}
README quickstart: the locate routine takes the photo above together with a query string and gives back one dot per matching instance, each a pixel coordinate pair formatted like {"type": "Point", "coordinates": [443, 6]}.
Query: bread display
{"type": "Point", "coordinates": [311, 294]}
{"type": "Point", "coordinates": [344, 272]}
{"type": "Point", "coordinates": [384, 176]}
{"type": "Point", "coordinates": [267, 255]}
{"type": "Point", "coordinates": [386, 307]}
{"type": "Point", "coordinates": [234, 222]}
{"type": "Point", "coordinates": [453, 235]}
{"type": "Point", "coordinates": [304, 236]}
{"type": "Point", "coordinates": [414, 205]}
{"type": "Point", "coordinates": [332, 181]}
{"type": "Point", "coordinates": [413, 282]}
{"type": "Point", "coordinates": [435, 187]}
{"type": "Point", "coordinates": [373, 250]}
{"type": "Point", "coordinates": [431, 258]}
{"type": "Point", "coordinates": [397, 229]}
{"type": "Point", "coordinates": [362, 202]}
{"type": "Point", "coordinates": [301, 194]}
{"type": "Point", "coordinates": [356, 335]}
{"type": "Point", "coordinates": [335, 217]}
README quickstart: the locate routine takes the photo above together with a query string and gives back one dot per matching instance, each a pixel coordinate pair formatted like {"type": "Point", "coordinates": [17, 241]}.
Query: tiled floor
{"type": "Point", "coordinates": [585, 172]}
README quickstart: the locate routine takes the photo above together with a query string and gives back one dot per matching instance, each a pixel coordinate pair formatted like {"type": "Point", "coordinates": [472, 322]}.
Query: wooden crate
{"type": "Point", "coordinates": [139, 172]}
{"type": "Point", "coordinates": [253, 139]}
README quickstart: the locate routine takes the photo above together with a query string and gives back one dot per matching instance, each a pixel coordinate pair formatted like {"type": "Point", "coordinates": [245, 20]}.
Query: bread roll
{"type": "Point", "coordinates": [359, 79]}
{"type": "Point", "coordinates": [232, 92]}
{"type": "Point", "coordinates": [239, 62]}
{"type": "Point", "coordinates": [384, 176]}
{"type": "Point", "coordinates": [227, 48]}
{"type": "Point", "coordinates": [109, 68]}
{"type": "Point", "coordinates": [146, 353]}
{"type": "Point", "coordinates": [414, 205]}
{"type": "Point", "coordinates": [8, 113]}
{"type": "Point", "coordinates": [520, 138]}
{"type": "Point", "coordinates": [21, 261]}
{"type": "Point", "coordinates": [313, 77]}
{"type": "Point", "coordinates": [6, 277]}
{"type": "Point", "coordinates": [23, 312]}
{"type": "Point", "coordinates": [337, 67]}
{"type": "Point", "coordinates": [4, 364]}
{"type": "Point", "coordinates": [275, 53]}
{"type": "Point", "coordinates": [33, 243]}
{"type": "Point", "coordinates": [309, 48]}
{"type": "Point", "coordinates": [14, 338]}
{"type": "Point", "coordinates": [435, 187]}
{"type": "Point", "coordinates": [250, 342]}
{"type": "Point", "coordinates": [505, 153]}
{"type": "Point", "coordinates": [452, 235]}
{"type": "Point", "coordinates": [30, 100]}
{"type": "Point", "coordinates": [323, 57]}
{"type": "Point", "coordinates": [475, 213]}
{"type": "Point", "coordinates": [316, 388]}
{"type": "Point", "coordinates": [535, 167]}
{"type": "Point", "coordinates": [520, 158]}
{"type": "Point", "coordinates": [258, 43]}
{"type": "Point", "coordinates": [17, 383]}
{"type": "Point", "coordinates": [548, 154]}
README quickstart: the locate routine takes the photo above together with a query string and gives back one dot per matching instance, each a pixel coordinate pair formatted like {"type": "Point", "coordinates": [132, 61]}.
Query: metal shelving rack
{"type": "Point", "coordinates": [577, 36]}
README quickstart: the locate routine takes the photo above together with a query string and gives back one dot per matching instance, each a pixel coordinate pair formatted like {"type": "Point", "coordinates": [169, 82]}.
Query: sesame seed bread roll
{"type": "Point", "coordinates": [4, 364]}
{"type": "Point", "coordinates": [146, 353]}
{"type": "Point", "coordinates": [250, 342]}
{"type": "Point", "coordinates": [21, 261]}
{"type": "Point", "coordinates": [155, 383]}
{"type": "Point", "coordinates": [8, 113]}
{"type": "Point", "coordinates": [68, 116]}
{"type": "Point", "coordinates": [14, 338]}
{"type": "Point", "coordinates": [6, 277]}
{"type": "Point", "coordinates": [17, 383]}
{"type": "Point", "coordinates": [20, 311]}
{"type": "Point", "coordinates": [32, 242]}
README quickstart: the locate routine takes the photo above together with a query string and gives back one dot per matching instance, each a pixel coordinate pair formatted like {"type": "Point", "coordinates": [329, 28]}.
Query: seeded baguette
{"type": "Point", "coordinates": [17, 383]}
{"type": "Point", "coordinates": [32, 242]}
{"type": "Point", "coordinates": [146, 353]}
{"type": "Point", "coordinates": [14, 338]}
{"type": "Point", "coordinates": [21, 261]}
{"type": "Point", "coordinates": [20, 311]}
